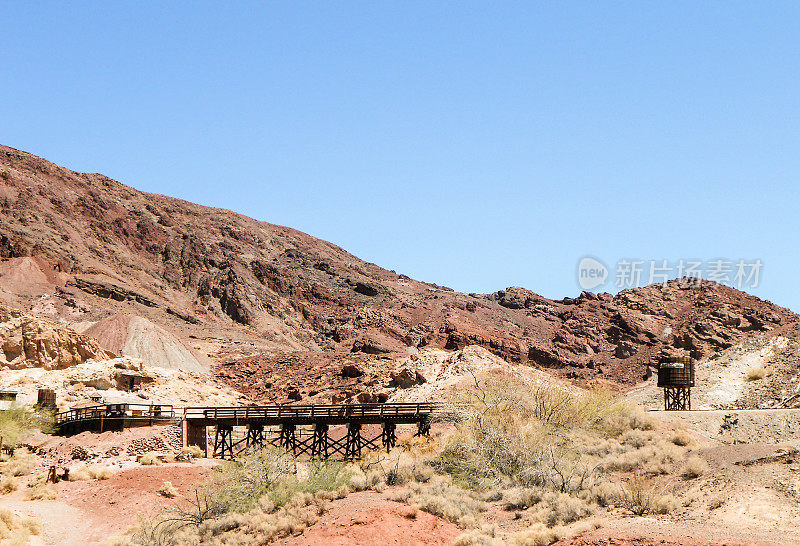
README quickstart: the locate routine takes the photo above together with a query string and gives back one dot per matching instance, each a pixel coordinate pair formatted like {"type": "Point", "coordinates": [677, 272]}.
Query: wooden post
{"type": "Point", "coordinates": [319, 445]}
{"type": "Point", "coordinates": [389, 435]}
{"type": "Point", "coordinates": [352, 446]}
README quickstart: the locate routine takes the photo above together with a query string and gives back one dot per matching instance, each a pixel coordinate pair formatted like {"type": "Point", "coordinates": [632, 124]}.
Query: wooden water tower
{"type": "Point", "coordinates": [676, 377]}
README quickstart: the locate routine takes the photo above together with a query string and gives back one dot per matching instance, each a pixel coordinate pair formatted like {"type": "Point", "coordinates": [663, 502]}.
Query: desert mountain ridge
{"type": "Point", "coordinates": [196, 287]}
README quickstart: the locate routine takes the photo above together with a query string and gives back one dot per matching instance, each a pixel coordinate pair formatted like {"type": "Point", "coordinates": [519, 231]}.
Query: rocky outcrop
{"type": "Point", "coordinates": [31, 342]}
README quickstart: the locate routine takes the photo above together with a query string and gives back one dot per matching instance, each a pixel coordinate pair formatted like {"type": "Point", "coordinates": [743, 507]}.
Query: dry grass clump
{"type": "Point", "coordinates": [694, 468]}
{"type": "Point", "coordinates": [642, 496]}
{"type": "Point", "coordinates": [93, 472]}
{"type": "Point", "coordinates": [79, 475]}
{"type": "Point", "coordinates": [562, 509]}
{"type": "Point", "coordinates": [21, 463]}
{"type": "Point", "coordinates": [654, 459]}
{"type": "Point", "coordinates": [100, 472]}
{"type": "Point", "coordinates": [756, 373]}
{"type": "Point", "coordinates": [485, 536]}
{"type": "Point", "coordinates": [151, 458]}
{"type": "Point", "coordinates": [17, 530]}
{"type": "Point", "coordinates": [168, 490]}
{"type": "Point", "coordinates": [8, 485]}
{"type": "Point", "coordinates": [40, 491]}
{"type": "Point", "coordinates": [715, 502]}
{"type": "Point", "coordinates": [443, 499]}
{"type": "Point", "coordinates": [537, 535]}
{"type": "Point", "coordinates": [521, 498]}
{"type": "Point", "coordinates": [681, 438]}
{"type": "Point", "coordinates": [192, 452]}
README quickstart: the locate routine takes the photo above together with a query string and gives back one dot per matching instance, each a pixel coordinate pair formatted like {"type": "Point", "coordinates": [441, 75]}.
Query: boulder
{"type": "Point", "coordinates": [406, 378]}
{"type": "Point", "coordinates": [351, 371]}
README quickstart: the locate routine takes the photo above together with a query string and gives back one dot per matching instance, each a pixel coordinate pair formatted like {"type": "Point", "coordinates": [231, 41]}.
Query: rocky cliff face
{"type": "Point", "coordinates": [30, 342]}
{"type": "Point", "coordinates": [269, 302]}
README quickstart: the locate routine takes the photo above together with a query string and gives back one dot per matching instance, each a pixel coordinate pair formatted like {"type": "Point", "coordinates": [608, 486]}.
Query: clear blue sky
{"type": "Point", "coordinates": [476, 145]}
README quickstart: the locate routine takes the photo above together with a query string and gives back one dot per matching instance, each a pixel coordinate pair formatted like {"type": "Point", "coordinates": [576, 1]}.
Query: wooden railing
{"type": "Point", "coordinates": [313, 412]}
{"type": "Point", "coordinates": [322, 412]}
{"type": "Point", "coordinates": [119, 411]}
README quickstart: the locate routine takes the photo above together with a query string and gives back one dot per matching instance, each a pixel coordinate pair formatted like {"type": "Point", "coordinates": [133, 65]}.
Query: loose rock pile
{"type": "Point", "coordinates": [173, 434]}
{"type": "Point", "coordinates": [80, 453]}
{"type": "Point", "coordinates": [140, 446]}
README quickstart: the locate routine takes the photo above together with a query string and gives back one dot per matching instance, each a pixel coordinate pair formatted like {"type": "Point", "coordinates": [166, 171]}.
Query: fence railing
{"type": "Point", "coordinates": [403, 410]}
{"type": "Point", "coordinates": [119, 411]}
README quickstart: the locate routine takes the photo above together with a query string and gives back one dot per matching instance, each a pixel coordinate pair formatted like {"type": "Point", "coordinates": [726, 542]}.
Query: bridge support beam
{"type": "Point", "coordinates": [223, 442]}
{"type": "Point", "coordinates": [423, 428]}
{"type": "Point", "coordinates": [288, 438]}
{"type": "Point", "coordinates": [255, 435]}
{"type": "Point", "coordinates": [319, 444]}
{"type": "Point", "coordinates": [194, 435]}
{"type": "Point", "coordinates": [389, 435]}
{"type": "Point", "coordinates": [352, 445]}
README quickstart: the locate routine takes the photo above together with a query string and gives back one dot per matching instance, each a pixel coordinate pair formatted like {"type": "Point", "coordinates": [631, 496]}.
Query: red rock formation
{"type": "Point", "coordinates": [221, 280]}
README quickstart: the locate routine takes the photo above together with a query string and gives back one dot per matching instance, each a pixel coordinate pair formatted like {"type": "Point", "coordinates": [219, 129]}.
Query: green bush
{"type": "Point", "coordinates": [17, 420]}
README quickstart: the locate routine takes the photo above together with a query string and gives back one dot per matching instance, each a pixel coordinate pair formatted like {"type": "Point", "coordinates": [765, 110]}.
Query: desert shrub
{"type": "Point", "coordinates": [168, 490]}
{"type": "Point", "coordinates": [158, 531]}
{"type": "Point", "coordinates": [256, 527]}
{"type": "Point", "coordinates": [493, 495]}
{"type": "Point", "coordinates": [358, 481]}
{"type": "Point", "coordinates": [8, 485]}
{"type": "Point", "coordinates": [402, 465]}
{"type": "Point", "coordinates": [642, 496]}
{"type": "Point", "coordinates": [322, 476]}
{"type": "Point", "coordinates": [17, 420]}
{"type": "Point", "coordinates": [694, 468]}
{"type": "Point", "coordinates": [715, 502]}
{"type": "Point", "coordinates": [513, 433]}
{"type": "Point", "coordinates": [151, 458]}
{"type": "Point", "coordinates": [636, 438]}
{"type": "Point", "coordinates": [238, 485]}
{"type": "Point", "coordinates": [756, 373]}
{"type": "Point", "coordinates": [398, 495]}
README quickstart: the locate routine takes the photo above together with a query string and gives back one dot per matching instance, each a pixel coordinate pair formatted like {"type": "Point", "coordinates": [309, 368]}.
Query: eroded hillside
{"type": "Point", "coordinates": [262, 299]}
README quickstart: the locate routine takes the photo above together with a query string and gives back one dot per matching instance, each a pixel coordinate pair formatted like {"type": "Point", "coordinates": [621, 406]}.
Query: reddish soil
{"type": "Point", "coordinates": [117, 503]}
{"type": "Point", "coordinates": [369, 518]}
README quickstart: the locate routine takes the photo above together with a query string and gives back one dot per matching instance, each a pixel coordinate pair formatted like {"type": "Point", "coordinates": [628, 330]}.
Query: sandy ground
{"type": "Point", "coordinates": [89, 512]}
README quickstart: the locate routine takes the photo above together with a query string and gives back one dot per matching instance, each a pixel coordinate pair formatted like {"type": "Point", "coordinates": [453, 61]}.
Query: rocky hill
{"type": "Point", "coordinates": [271, 305]}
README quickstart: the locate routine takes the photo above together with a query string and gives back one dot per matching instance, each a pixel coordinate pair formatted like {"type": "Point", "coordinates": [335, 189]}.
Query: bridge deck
{"type": "Point", "coordinates": [332, 414]}
{"type": "Point", "coordinates": [117, 416]}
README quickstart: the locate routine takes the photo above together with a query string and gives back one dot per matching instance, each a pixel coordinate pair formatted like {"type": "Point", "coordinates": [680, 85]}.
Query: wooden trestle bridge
{"type": "Point", "coordinates": [298, 429]}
